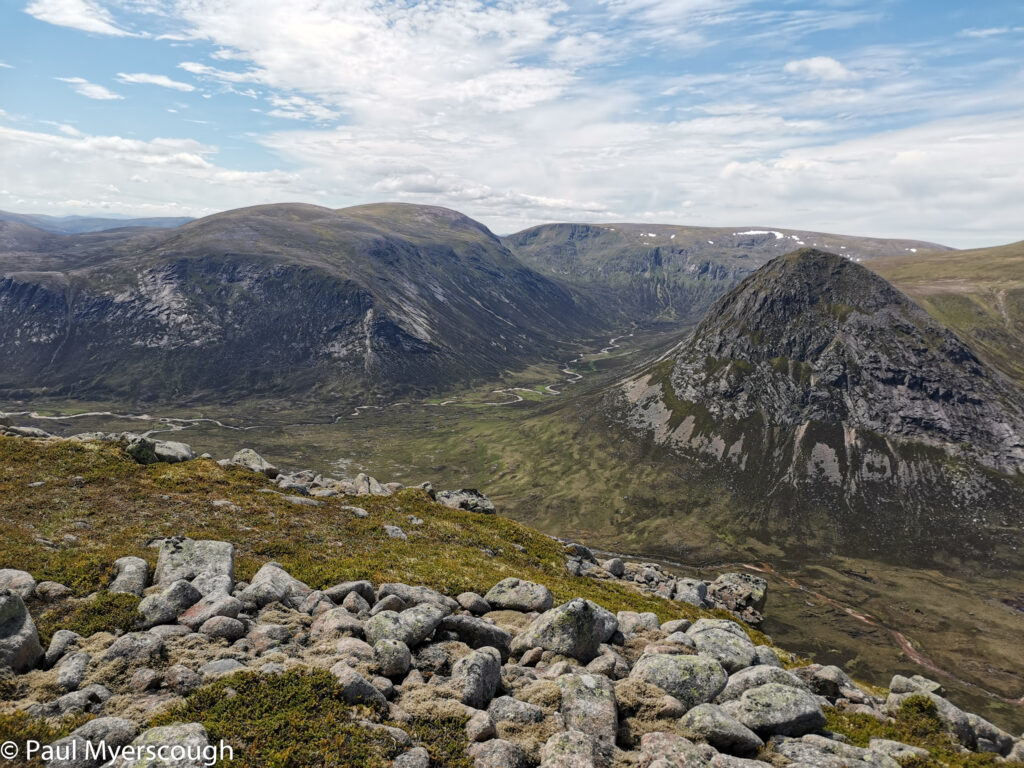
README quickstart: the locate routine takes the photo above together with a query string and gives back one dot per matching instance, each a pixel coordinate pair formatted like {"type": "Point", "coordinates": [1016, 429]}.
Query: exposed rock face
{"type": "Point", "coordinates": [19, 640]}
{"type": "Point", "coordinates": [291, 298]}
{"type": "Point", "coordinates": [818, 387]}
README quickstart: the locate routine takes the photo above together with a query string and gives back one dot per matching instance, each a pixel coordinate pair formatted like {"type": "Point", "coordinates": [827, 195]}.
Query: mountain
{"type": "Point", "coordinates": [281, 299]}
{"type": "Point", "coordinates": [979, 294]}
{"type": "Point", "coordinates": [672, 274]}
{"type": "Point", "coordinates": [835, 406]}
{"type": "Point", "coordinates": [73, 225]}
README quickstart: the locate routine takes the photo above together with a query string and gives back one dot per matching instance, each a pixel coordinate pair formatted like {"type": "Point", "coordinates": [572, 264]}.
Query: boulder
{"type": "Point", "coordinates": [773, 708]}
{"type": "Point", "coordinates": [71, 671]}
{"type": "Point", "coordinates": [413, 758]}
{"type": "Point", "coordinates": [223, 627]}
{"type": "Point", "coordinates": [724, 641]}
{"type": "Point", "coordinates": [615, 567]}
{"type": "Point", "coordinates": [574, 749]}
{"type": "Point", "coordinates": [412, 626]}
{"type": "Point", "coordinates": [414, 596]}
{"type": "Point", "coordinates": [61, 642]}
{"type": "Point", "coordinates": [476, 676]}
{"type": "Point", "coordinates": [752, 677]}
{"type": "Point", "coordinates": [191, 737]}
{"type": "Point", "coordinates": [272, 583]}
{"type": "Point", "coordinates": [827, 753]}
{"type": "Point", "coordinates": [473, 603]}
{"type": "Point", "coordinates": [498, 753]}
{"type": "Point", "coordinates": [183, 558]}
{"type": "Point", "coordinates": [136, 647]}
{"type": "Point", "coordinates": [468, 499]}
{"type": "Point", "coordinates": [208, 607]}
{"type": "Point", "coordinates": [477, 633]}
{"type": "Point", "coordinates": [19, 582]}
{"type": "Point", "coordinates": [132, 576]}
{"type": "Point", "coordinates": [691, 591]}
{"type": "Point", "coordinates": [574, 629]}
{"type": "Point", "coordinates": [588, 705]}
{"type": "Point", "coordinates": [356, 689]}
{"type": "Point", "coordinates": [513, 594]}
{"type": "Point", "coordinates": [631, 622]}
{"type": "Point", "coordinates": [392, 658]}
{"type": "Point", "coordinates": [742, 593]}
{"type": "Point", "coordinates": [339, 592]}
{"type": "Point", "coordinates": [336, 622]}
{"type": "Point", "coordinates": [113, 731]}
{"type": "Point", "coordinates": [173, 452]}
{"type": "Point", "coordinates": [952, 717]}
{"type": "Point", "coordinates": [252, 461]}
{"type": "Point", "coordinates": [691, 679]}
{"type": "Point", "coordinates": [20, 648]}
{"type": "Point", "coordinates": [725, 733]}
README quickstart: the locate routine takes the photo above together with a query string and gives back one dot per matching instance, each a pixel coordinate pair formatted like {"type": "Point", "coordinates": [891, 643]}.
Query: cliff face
{"type": "Point", "coordinates": [279, 300]}
{"type": "Point", "coordinates": [815, 385]}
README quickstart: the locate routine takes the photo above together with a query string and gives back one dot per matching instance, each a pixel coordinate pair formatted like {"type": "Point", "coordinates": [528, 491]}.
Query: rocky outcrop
{"type": "Point", "coordinates": [574, 686]}
{"type": "Point", "coordinates": [820, 391]}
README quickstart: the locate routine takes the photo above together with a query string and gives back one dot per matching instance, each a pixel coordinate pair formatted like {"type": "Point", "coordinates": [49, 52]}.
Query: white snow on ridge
{"type": "Point", "coordinates": [778, 235]}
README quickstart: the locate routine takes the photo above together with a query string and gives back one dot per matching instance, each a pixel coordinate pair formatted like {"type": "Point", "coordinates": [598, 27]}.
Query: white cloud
{"type": "Point", "coordinates": [86, 15]}
{"type": "Point", "coordinates": [819, 68]}
{"type": "Point", "coordinates": [90, 90]}
{"type": "Point", "coordinates": [146, 79]}
{"type": "Point", "coordinates": [78, 174]}
{"type": "Point", "coordinates": [5, 65]}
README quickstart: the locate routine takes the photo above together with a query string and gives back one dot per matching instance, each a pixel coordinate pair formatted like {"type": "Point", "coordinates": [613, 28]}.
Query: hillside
{"type": "Point", "coordinates": [837, 407]}
{"type": "Point", "coordinates": [343, 305]}
{"type": "Point", "coordinates": [671, 274]}
{"type": "Point", "coordinates": [416, 662]}
{"type": "Point", "coordinates": [979, 294]}
{"type": "Point", "coordinates": [74, 225]}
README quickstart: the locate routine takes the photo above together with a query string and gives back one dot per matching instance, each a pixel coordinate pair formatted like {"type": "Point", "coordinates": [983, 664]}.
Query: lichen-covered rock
{"type": "Point", "coordinates": [19, 582]}
{"type": "Point", "coordinates": [691, 679]}
{"type": "Point", "coordinates": [725, 641]}
{"type": "Point", "coordinates": [725, 733]}
{"type": "Point", "coordinates": [392, 657]}
{"type": "Point", "coordinates": [514, 594]}
{"type": "Point", "coordinates": [356, 689]}
{"type": "Point", "coordinates": [477, 633]}
{"type": "Point", "coordinates": [739, 592]}
{"type": "Point", "coordinates": [184, 558]}
{"type": "Point", "coordinates": [773, 708]}
{"type": "Point", "coordinates": [172, 451]}
{"type": "Point", "coordinates": [468, 499]}
{"type": "Point", "coordinates": [498, 753]}
{"type": "Point", "coordinates": [252, 461]}
{"type": "Point", "coordinates": [952, 717]}
{"type": "Point", "coordinates": [411, 626]}
{"type": "Point", "coordinates": [336, 622]}
{"type": "Point", "coordinates": [272, 583]}
{"type": "Point", "coordinates": [210, 606]}
{"type": "Point", "coordinates": [71, 671]}
{"type": "Point", "coordinates": [574, 629]}
{"type": "Point", "coordinates": [414, 595]}
{"type": "Point", "coordinates": [476, 677]}
{"type": "Point", "coordinates": [191, 738]}
{"type": "Point", "coordinates": [139, 647]}
{"type": "Point", "coordinates": [20, 648]}
{"type": "Point", "coordinates": [827, 753]}
{"type": "Point", "coordinates": [752, 677]}
{"type": "Point", "coordinates": [113, 731]}
{"type": "Point", "coordinates": [132, 576]}
{"type": "Point", "coordinates": [588, 705]}
{"type": "Point", "coordinates": [574, 749]}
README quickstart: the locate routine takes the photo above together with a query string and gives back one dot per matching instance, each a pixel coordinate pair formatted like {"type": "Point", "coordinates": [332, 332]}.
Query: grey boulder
{"type": "Point", "coordinates": [20, 648]}
{"type": "Point", "coordinates": [514, 594]}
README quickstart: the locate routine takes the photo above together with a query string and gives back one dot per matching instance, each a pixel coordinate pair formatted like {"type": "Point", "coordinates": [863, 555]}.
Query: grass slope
{"type": "Point", "coordinates": [979, 294]}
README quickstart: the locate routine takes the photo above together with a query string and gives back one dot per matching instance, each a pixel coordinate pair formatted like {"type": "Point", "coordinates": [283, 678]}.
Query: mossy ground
{"type": "Point", "coordinates": [114, 507]}
{"type": "Point", "coordinates": [290, 720]}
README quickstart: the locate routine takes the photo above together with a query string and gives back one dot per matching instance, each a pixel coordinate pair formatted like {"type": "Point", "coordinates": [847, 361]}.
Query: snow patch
{"type": "Point", "coordinates": [778, 235]}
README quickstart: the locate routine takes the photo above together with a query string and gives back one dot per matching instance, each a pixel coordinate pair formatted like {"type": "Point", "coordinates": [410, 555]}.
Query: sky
{"type": "Point", "coordinates": [889, 118]}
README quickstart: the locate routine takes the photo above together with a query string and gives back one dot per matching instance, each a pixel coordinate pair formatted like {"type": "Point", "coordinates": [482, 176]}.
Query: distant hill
{"type": "Point", "coordinates": [839, 411]}
{"type": "Point", "coordinates": [978, 293]}
{"type": "Point", "coordinates": [73, 225]}
{"type": "Point", "coordinates": [672, 274]}
{"type": "Point", "coordinates": [280, 299]}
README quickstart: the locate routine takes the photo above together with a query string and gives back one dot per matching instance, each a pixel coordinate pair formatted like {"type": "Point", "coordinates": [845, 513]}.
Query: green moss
{"type": "Point", "coordinates": [107, 612]}
{"type": "Point", "coordinates": [917, 724]}
{"type": "Point", "coordinates": [294, 719]}
{"type": "Point", "coordinates": [444, 739]}
{"type": "Point", "coordinates": [19, 727]}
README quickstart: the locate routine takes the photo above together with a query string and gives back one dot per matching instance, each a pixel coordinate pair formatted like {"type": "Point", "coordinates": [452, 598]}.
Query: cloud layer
{"type": "Point", "coordinates": [523, 111]}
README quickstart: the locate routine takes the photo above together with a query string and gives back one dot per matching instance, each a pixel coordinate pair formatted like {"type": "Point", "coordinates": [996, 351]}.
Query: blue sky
{"type": "Point", "coordinates": [882, 117]}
